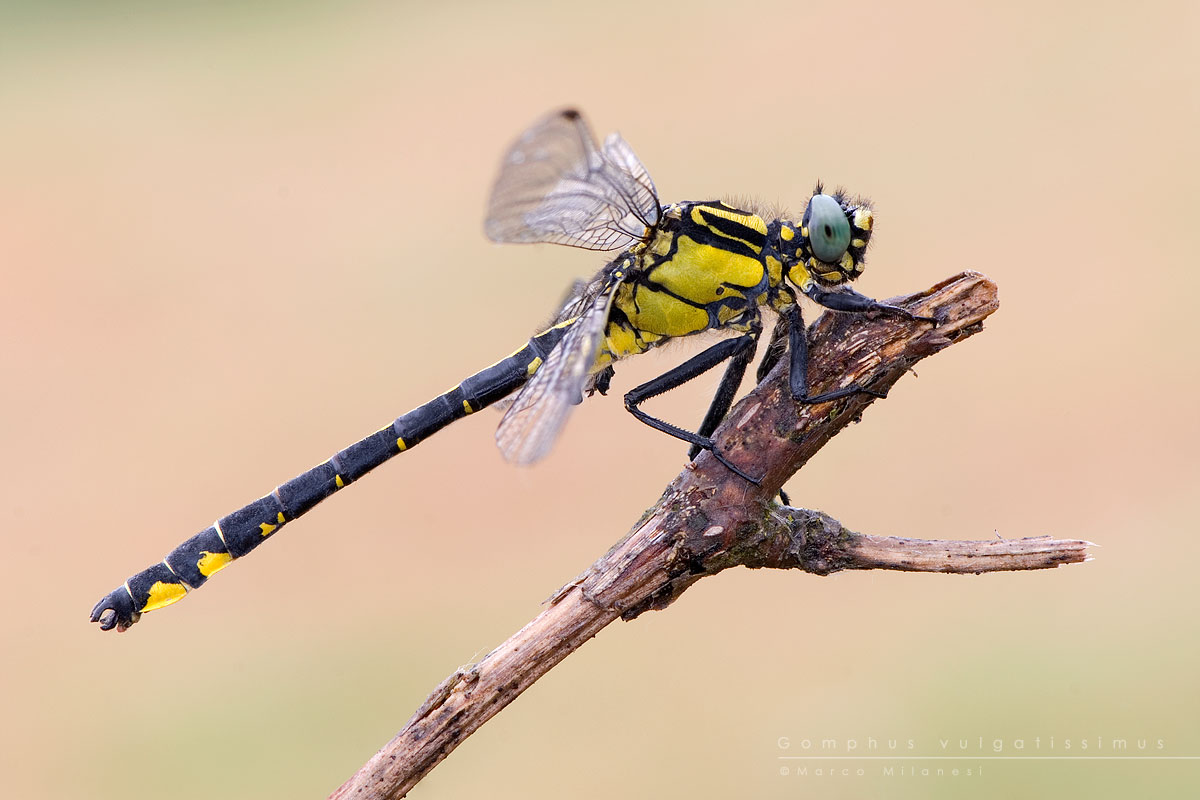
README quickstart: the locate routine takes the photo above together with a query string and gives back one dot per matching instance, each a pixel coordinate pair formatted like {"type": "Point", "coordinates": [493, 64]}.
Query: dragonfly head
{"type": "Point", "coordinates": [832, 243]}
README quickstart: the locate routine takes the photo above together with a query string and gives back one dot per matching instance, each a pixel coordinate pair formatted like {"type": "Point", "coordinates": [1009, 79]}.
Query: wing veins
{"type": "Point", "coordinates": [557, 185]}
{"type": "Point", "coordinates": [538, 413]}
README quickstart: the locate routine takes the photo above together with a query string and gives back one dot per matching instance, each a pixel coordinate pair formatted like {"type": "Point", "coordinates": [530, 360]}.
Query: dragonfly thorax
{"type": "Point", "coordinates": [705, 265]}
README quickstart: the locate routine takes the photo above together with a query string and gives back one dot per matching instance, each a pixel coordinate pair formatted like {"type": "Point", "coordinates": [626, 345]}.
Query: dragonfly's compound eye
{"type": "Point", "coordinates": [828, 228]}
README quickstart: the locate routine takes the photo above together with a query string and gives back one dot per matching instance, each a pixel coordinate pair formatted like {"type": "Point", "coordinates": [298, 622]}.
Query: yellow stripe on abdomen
{"type": "Point", "coordinates": [164, 594]}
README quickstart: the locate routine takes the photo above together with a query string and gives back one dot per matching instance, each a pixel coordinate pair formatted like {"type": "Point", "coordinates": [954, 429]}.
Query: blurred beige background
{"type": "Point", "coordinates": [234, 241]}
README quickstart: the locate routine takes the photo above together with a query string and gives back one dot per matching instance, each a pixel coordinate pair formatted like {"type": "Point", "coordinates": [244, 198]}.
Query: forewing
{"type": "Point", "coordinates": [537, 415]}
{"type": "Point", "coordinates": [556, 185]}
{"type": "Point", "coordinates": [631, 178]}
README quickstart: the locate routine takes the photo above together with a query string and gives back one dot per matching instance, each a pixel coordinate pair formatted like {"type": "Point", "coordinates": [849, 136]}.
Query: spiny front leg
{"type": "Point", "coordinates": [851, 301]}
{"type": "Point", "coordinates": [731, 381]}
{"type": "Point", "coordinates": [846, 300]}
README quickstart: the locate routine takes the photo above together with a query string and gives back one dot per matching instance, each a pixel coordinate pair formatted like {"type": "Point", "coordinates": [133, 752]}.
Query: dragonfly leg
{"type": "Point", "coordinates": [693, 367]}
{"type": "Point", "coordinates": [842, 300]}
{"type": "Point", "coordinates": [776, 347]}
{"type": "Point", "coordinates": [798, 377]}
{"type": "Point", "coordinates": [852, 301]}
{"type": "Point", "coordinates": [727, 390]}
{"type": "Point", "coordinates": [775, 350]}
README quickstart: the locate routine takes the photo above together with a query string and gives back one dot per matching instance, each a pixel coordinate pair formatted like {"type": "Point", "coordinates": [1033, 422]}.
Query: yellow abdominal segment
{"type": "Point", "coordinates": [212, 563]}
{"type": "Point", "coordinates": [163, 594]}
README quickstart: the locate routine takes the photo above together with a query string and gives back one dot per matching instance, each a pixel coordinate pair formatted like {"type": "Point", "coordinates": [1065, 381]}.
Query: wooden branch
{"type": "Point", "coordinates": [709, 519]}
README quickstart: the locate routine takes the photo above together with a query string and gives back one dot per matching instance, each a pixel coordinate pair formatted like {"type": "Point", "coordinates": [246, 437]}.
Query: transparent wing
{"type": "Point", "coordinates": [568, 308]}
{"type": "Point", "coordinates": [557, 186]}
{"type": "Point", "coordinates": [537, 415]}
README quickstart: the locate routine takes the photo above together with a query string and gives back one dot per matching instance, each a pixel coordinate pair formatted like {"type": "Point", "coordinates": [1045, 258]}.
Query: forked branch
{"type": "Point", "coordinates": [709, 519]}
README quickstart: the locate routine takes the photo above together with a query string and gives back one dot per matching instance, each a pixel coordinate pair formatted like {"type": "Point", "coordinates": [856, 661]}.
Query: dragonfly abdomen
{"type": "Point", "coordinates": [192, 563]}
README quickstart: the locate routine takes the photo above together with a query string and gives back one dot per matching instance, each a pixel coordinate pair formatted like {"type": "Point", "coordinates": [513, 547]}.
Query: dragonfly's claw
{"type": "Point", "coordinates": [908, 315]}
{"type": "Point", "coordinates": [115, 611]}
{"type": "Point", "coordinates": [711, 446]}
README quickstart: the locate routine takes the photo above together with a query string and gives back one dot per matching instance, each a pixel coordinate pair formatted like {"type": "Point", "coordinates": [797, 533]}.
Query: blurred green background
{"type": "Point", "coordinates": [235, 240]}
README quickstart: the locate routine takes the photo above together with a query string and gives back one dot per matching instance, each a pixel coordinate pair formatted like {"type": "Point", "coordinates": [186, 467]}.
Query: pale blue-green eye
{"type": "Point", "coordinates": [828, 228]}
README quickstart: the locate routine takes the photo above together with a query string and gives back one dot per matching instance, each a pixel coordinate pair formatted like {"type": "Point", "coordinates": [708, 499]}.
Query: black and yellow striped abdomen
{"type": "Point", "coordinates": [233, 536]}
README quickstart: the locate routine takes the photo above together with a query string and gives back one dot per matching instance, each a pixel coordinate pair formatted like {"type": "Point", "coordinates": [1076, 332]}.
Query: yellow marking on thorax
{"type": "Point", "coordinates": [725, 314]}
{"type": "Point", "coordinates": [775, 270]}
{"type": "Point", "coordinates": [621, 341]}
{"type": "Point", "coordinates": [212, 563]}
{"type": "Point", "coordinates": [661, 244]}
{"type": "Point", "coordinates": [653, 312]}
{"type": "Point", "coordinates": [783, 301]}
{"type": "Point", "coordinates": [863, 219]}
{"type": "Point", "coordinates": [752, 221]}
{"type": "Point", "coordinates": [699, 272]}
{"type": "Point", "coordinates": [799, 277]}
{"type": "Point", "coordinates": [786, 233]}
{"type": "Point", "coordinates": [163, 594]}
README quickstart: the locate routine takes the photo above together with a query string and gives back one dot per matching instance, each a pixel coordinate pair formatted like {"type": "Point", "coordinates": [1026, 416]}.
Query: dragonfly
{"type": "Point", "coordinates": [683, 269]}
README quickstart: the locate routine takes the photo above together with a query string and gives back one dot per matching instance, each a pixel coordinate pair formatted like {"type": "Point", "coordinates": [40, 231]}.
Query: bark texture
{"type": "Point", "coordinates": [709, 519]}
